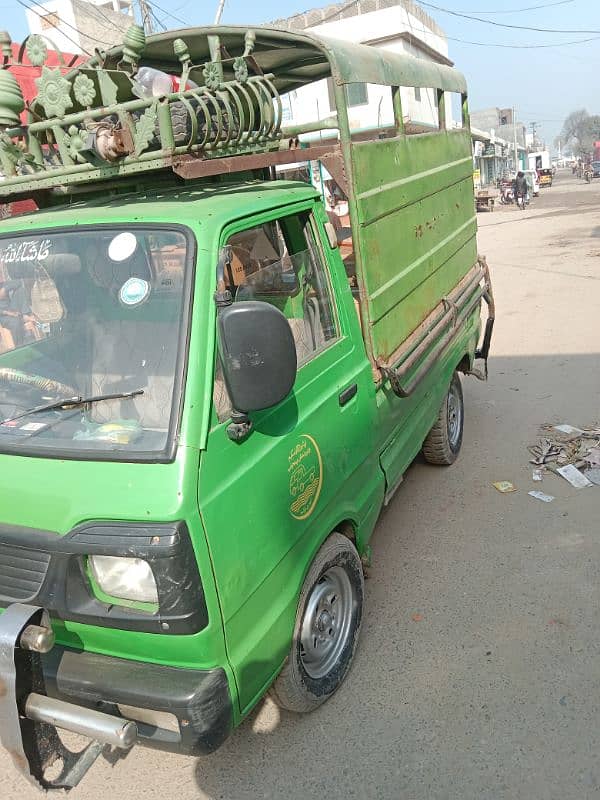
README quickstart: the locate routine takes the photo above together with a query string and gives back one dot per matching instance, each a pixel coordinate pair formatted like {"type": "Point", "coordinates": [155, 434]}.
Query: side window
{"type": "Point", "coordinates": [280, 262]}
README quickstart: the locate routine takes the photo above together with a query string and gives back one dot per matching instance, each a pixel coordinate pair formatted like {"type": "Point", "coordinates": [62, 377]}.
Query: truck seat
{"type": "Point", "coordinates": [129, 355]}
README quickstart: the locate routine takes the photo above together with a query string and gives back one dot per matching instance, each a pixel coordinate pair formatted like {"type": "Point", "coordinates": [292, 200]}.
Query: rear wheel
{"type": "Point", "coordinates": [444, 440]}
{"type": "Point", "coordinates": [327, 627]}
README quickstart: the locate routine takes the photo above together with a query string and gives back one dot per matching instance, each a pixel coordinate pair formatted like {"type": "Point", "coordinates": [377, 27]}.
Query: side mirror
{"type": "Point", "coordinates": [258, 356]}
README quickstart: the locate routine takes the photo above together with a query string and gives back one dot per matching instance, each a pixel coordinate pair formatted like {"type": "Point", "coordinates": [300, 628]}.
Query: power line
{"type": "Point", "coordinates": [501, 24]}
{"type": "Point", "coordinates": [159, 22]}
{"type": "Point", "coordinates": [522, 46]}
{"type": "Point", "coordinates": [521, 10]}
{"type": "Point", "coordinates": [173, 16]}
{"type": "Point", "coordinates": [73, 28]}
{"type": "Point", "coordinates": [107, 19]}
{"type": "Point", "coordinates": [77, 44]}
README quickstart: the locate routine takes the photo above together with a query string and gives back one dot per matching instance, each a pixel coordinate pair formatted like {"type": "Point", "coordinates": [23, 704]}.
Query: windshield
{"type": "Point", "coordinates": [84, 314]}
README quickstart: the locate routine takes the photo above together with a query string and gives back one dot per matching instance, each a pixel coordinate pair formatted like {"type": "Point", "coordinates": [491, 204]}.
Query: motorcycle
{"type": "Point", "coordinates": [507, 197]}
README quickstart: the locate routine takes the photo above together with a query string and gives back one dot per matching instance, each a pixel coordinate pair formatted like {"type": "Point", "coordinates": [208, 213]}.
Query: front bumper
{"type": "Point", "coordinates": [110, 700]}
{"type": "Point", "coordinates": [199, 700]}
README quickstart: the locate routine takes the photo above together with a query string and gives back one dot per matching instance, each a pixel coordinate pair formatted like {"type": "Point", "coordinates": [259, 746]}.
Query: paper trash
{"type": "Point", "coordinates": [505, 486]}
{"type": "Point", "coordinates": [538, 475]}
{"type": "Point", "coordinates": [569, 429]}
{"type": "Point", "coordinates": [593, 475]}
{"type": "Point", "coordinates": [545, 498]}
{"type": "Point", "coordinates": [574, 476]}
{"type": "Point", "coordinates": [593, 456]}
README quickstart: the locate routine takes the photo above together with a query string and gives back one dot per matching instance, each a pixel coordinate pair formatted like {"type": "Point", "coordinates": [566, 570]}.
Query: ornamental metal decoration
{"type": "Point", "coordinates": [54, 92]}
{"type": "Point", "coordinates": [11, 99]}
{"type": "Point", "coordinates": [36, 49]}
{"type": "Point", "coordinates": [84, 90]}
{"type": "Point", "coordinates": [75, 140]}
{"type": "Point", "coordinates": [221, 107]}
{"type": "Point", "coordinates": [9, 152]}
{"type": "Point", "coordinates": [145, 129]}
{"type": "Point", "coordinates": [213, 74]}
{"type": "Point", "coordinates": [240, 69]}
{"type": "Point", "coordinates": [134, 44]}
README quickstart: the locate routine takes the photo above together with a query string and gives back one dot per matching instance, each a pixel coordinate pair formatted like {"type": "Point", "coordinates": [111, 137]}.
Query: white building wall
{"type": "Point", "coordinates": [380, 24]}
{"type": "Point", "coordinates": [65, 38]}
{"type": "Point", "coordinates": [79, 26]}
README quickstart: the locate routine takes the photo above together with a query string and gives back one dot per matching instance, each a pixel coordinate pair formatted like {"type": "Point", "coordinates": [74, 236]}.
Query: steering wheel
{"type": "Point", "coordinates": [42, 384]}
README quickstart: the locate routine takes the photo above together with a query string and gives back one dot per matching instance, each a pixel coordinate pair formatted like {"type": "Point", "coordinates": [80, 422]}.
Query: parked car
{"type": "Point", "coordinates": [595, 169]}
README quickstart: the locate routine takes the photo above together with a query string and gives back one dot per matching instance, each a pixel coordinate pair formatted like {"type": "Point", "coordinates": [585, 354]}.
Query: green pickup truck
{"type": "Point", "coordinates": [205, 400]}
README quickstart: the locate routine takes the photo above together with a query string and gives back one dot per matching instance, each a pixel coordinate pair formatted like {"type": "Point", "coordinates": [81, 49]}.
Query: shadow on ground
{"type": "Point", "coordinates": [477, 665]}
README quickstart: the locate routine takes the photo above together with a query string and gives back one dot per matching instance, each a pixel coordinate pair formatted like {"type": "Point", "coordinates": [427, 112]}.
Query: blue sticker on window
{"type": "Point", "coordinates": [134, 291]}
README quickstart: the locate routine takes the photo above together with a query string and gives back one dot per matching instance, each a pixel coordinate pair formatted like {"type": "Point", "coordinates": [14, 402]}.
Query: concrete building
{"type": "Point", "coordinates": [499, 122]}
{"type": "Point", "coordinates": [397, 25]}
{"type": "Point", "coordinates": [81, 26]}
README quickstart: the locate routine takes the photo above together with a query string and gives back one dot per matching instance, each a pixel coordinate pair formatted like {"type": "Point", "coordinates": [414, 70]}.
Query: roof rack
{"type": "Point", "coordinates": [97, 122]}
{"type": "Point", "coordinates": [217, 108]}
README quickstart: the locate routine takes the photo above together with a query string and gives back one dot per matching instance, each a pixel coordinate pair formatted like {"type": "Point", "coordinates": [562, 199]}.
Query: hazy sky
{"type": "Point", "coordinates": [544, 84]}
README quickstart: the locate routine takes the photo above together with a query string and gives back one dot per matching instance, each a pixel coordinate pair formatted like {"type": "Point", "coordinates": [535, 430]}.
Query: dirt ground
{"type": "Point", "coordinates": [477, 673]}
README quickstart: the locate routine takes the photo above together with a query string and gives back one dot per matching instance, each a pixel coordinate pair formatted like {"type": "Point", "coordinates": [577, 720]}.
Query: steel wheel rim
{"type": "Point", "coordinates": [327, 622]}
{"type": "Point", "coordinates": [454, 411]}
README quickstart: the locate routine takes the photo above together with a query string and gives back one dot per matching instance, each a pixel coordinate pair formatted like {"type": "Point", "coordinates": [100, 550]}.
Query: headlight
{"type": "Point", "coordinates": [125, 578]}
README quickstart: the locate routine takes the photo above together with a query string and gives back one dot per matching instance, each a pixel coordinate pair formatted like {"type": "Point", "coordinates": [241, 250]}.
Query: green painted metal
{"type": "Point", "coordinates": [300, 58]}
{"type": "Point", "coordinates": [235, 108]}
{"type": "Point", "coordinates": [73, 112]}
{"type": "Point", "coordinates": [415, 228]}
{"type": "Point", "coordinates": [411, 207]}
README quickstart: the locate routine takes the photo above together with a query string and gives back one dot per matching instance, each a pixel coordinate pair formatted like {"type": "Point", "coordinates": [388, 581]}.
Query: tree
{"type": "Point", "coordinates": [580, 130]}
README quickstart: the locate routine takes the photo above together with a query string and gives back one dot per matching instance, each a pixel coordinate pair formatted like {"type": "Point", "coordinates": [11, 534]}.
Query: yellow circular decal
{"type": "Point", "coordinates": [305, 470]}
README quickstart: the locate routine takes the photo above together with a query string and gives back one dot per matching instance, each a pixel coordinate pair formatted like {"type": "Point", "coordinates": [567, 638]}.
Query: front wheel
{"type": "Point", "coordinates": [327, 627]}
{"type": "Point", "coordinates": [444, 440]}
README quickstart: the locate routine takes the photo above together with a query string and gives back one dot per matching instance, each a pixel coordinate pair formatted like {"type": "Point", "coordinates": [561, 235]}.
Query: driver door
{"type": "Point", "coordinates": [269, 502]}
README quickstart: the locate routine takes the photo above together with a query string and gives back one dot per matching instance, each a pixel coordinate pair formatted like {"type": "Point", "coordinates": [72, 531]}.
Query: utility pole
{"type": "Point", "coordinates": [146, 16]}
{"type": "Point", "coordinates": [219, 13]}
{"type": "Point", "coordinates": [533, 126]}
{"type": "Point", "coordinates": [514, 121]}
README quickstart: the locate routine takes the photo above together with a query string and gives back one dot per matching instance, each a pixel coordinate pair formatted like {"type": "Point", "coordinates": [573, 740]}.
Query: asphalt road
{"type": "Point", "coordinates": [477, 675]}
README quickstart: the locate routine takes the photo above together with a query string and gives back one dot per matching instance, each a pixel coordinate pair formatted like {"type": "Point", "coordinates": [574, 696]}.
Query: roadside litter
{"type": "Point", "coordinates": [545, 498]}
{"type": "Point", "coordinates": [505, 486]}
{"type": "Point", "coordinates": [568, 451]}
{"type": "Point", "coordinates": [574, 476]}
{"type": "Point", "coordinates": [593, 475]}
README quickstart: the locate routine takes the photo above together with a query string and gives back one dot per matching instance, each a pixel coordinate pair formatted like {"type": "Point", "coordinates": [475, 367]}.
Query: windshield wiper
{"type": "Point", "coordinates": [72, 402]}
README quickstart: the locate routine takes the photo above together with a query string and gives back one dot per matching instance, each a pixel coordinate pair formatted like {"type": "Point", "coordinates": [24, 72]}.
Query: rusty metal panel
{"type": "Point", "coordinates": [415, 228]}
{"type": "Point", "coordinates": [189, 167]}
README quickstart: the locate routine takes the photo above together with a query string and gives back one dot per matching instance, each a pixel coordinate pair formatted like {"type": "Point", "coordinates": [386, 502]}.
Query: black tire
{"type": "Point", "coordinates": [300, 686]}
{"type": "Point", "coordinates": [444, 440]}
{"type": "Point", "coordinates": [182, 125]}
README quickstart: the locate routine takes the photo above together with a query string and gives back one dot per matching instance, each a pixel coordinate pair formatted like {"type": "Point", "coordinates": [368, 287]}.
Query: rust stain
{"type": "Point", "coordinates": [3, 688]}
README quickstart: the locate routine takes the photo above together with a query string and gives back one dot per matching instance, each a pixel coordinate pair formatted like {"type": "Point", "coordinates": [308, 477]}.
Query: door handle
{"type": "Point", "coordinates": [348, 394]}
